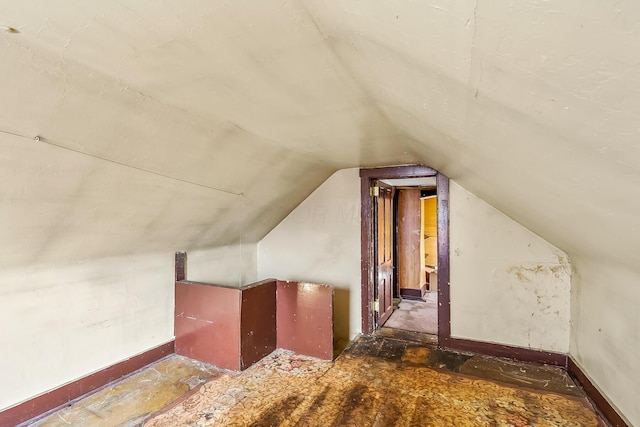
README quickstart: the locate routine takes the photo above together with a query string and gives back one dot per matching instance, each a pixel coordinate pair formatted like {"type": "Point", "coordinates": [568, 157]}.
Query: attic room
{"type": "Point", "coordinates": [248, 136]}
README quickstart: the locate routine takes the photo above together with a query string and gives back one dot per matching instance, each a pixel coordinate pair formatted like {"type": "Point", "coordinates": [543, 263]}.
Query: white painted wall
{"type": "Point", "coordinates": [605, 336]}
{"type": "Point", "coordinates": [233, 265]}
{"type": "Point", "coordinates": [61, 322]}
{"type": "Point", "coordinates": [518, 101]}
{"type": "Point", "coordinates": [508, 285]}
{"type": "Point", "coordinates": [86, 262]}
{"type": "Point", "coordinates": [320, 242]}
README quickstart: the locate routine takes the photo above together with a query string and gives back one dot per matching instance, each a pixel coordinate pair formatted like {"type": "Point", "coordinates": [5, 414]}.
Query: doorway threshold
{"type": "Point", "coordinates": [406, 335]}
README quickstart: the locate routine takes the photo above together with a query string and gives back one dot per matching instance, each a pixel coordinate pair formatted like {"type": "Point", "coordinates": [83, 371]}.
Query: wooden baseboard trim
{"type": "Point", "coordinates": [62, 395]}
{"type": "Point", "coordinates": [411, 293]}
{"type": "Point", "coordinates": [511, 352]}
{"type": "Point", "coordinates": [597, 399]}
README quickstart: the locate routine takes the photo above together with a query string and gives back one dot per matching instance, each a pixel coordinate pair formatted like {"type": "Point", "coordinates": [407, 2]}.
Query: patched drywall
{"type": "Point", "coordinates": [508, 285]}
{"type": "Point", "coordinates": [605, 336]}
{"type": "Point", "coordinates": [233, 265]}
{"type": "Point", "coordinates": [319, 242]}
{"type": "Point", "coordinates": [61, 322]}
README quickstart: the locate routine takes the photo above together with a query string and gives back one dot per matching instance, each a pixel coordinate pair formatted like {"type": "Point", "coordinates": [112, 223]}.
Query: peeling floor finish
{"type": "Point", "coordinates": [129, 402]}
{"type": "Point", "coordinates": [384, 381]}
{"type": "Point", "coordinates": [395, 378]}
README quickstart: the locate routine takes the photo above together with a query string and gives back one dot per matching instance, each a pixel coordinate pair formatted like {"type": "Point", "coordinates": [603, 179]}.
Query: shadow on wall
{"type": "Point", "coordinates": [341, 300]}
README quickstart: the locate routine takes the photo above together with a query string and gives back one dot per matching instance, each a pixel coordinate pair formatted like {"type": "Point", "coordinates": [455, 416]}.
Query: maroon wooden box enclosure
{"type": "Point", "coordinates": [233, 328]}
{"type": "Point", "coordinates": [207, 324]}
{"type": "Point", "coordinates": [257, 322]}
{"type": "Point", "coordinates": [305, 318]}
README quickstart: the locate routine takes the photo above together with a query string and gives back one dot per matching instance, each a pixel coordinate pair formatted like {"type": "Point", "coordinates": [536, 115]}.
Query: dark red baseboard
{"type": "Point", "coordinates": [602, 405]}
{"type": "Point", "coordinates": [511, 352]}
{"type": "Point", "coordinates": [68, 392]}
{"type": "Point", "coordinates": [412, 293]}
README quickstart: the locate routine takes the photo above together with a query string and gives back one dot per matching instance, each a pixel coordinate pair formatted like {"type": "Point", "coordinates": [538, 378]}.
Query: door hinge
{"type": "Point", "coordinates": [376, 306]}
{"type": "Point", "coordinates": [375, 191]}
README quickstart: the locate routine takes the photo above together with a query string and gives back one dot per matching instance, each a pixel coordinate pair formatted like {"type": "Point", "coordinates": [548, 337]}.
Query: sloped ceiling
{"type": "Point", "coordinates": [181, 124]}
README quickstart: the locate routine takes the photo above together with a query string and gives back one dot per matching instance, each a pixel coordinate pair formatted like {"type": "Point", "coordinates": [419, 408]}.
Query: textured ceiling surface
{"type": "Point", "coordinates": [169, 125]}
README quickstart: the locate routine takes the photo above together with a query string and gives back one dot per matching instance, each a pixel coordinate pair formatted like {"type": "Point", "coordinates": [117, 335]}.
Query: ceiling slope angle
{"type": "Point", "coordinates": [532, 106]}
{"type": "Point", "coordinates": [517, 102]}
{"type": "Point", "coordinates": [170, 129]}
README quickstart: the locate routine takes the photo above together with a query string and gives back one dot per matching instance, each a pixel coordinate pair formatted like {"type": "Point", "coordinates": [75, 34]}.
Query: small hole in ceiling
{"type": "Point", "coordinates": [11, 29]}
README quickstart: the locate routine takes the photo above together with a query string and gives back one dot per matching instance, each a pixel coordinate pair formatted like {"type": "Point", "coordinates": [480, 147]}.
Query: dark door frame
{"type": "Point", "coordinates": [367, 178]}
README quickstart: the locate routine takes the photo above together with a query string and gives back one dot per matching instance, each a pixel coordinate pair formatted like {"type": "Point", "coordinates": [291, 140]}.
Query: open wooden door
{"type": "Point", "coordinates": [383, 248]}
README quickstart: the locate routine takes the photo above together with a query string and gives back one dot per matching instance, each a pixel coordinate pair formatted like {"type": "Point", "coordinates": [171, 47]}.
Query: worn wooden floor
{"type": "Point", "coordinates": [386, 381]}
{"type": "Point", "coordinates": [133, 399]}
{"type": "Point", "coordinates": [393, 379]}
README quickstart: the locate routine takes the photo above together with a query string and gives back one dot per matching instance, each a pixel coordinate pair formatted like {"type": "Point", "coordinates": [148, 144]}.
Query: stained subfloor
{"type": "Point", "coordinates": [127, 403]}
{"type": "Point", "coordinates": [395, 378]}
{"type": "Point", "coordinates": [386, 381]}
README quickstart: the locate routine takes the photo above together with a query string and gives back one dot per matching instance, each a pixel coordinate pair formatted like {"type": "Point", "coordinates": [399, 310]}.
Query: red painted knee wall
{"type": "Point", "coordinates": [305, 318]}
{"type": "Point", "coordinates": [233, 328]}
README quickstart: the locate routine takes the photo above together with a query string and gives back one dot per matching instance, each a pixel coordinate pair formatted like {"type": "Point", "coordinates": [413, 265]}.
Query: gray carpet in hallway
{"type": "Point", "coordinates": [416, 315]}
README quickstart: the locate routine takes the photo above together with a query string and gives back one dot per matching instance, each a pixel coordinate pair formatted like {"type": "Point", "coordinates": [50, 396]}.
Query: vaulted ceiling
{"type": "Point", "coordinates": [171, 124]}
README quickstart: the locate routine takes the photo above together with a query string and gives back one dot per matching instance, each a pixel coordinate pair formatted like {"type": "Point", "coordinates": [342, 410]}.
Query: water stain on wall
{"type": "Point", "coordinates": [533, 273]}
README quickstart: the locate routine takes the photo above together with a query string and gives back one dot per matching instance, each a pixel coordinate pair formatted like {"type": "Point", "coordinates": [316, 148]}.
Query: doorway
{"type": "Point", "coordinates": [416, 260]}
{"type": "Point", "coordinates": [377, 289]}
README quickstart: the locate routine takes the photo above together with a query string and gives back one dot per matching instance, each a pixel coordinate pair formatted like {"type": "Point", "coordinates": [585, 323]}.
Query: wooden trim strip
{"type": "Point", "coordinates": [598, 400]}
{"type": "Point", "coordinates": [412, 293]}
{"type": "Point", "coordinates": [366, 250]}
{"type": "Point", "coordinates": [444, 296]}
{"type": "Point", "coordinates": [56, 398]}
{"type": "Point", "coordinates": [389, 172]}
{"type": "Point", "coordinates": [511, 352]}
{"type": "Point", "coordinates": [181, 266]}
